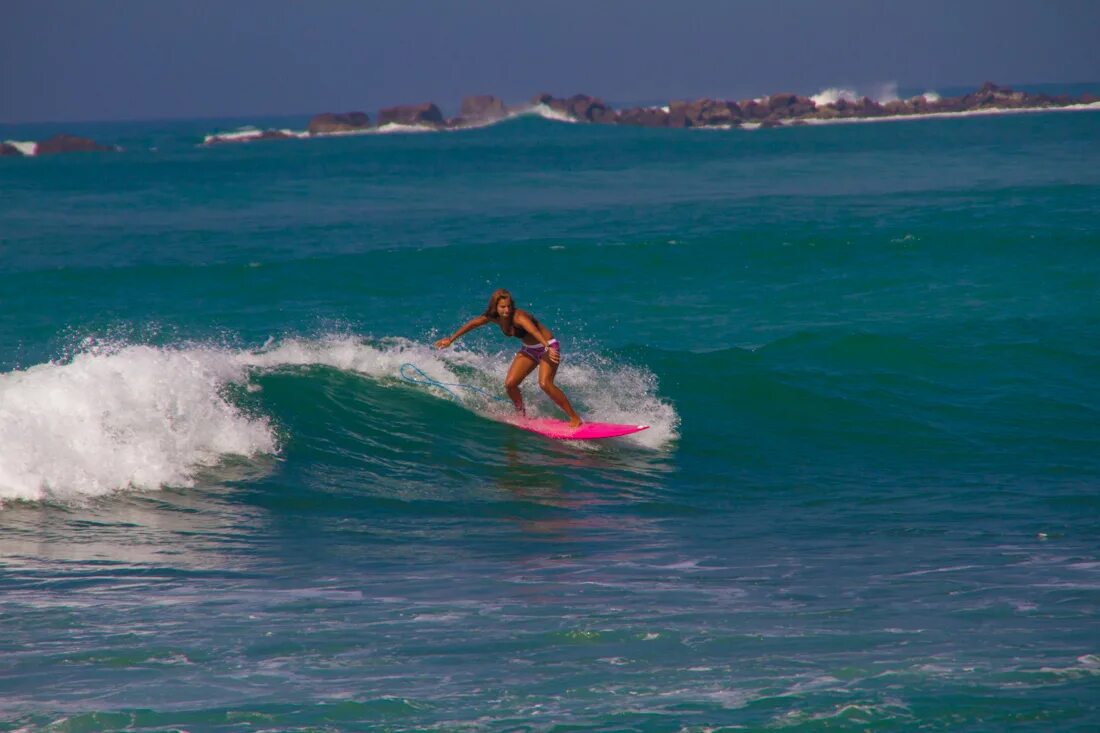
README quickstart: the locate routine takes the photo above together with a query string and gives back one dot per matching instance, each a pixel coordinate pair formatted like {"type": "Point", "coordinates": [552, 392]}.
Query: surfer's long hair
{"type": "Point", "coordinates": [497, 296]}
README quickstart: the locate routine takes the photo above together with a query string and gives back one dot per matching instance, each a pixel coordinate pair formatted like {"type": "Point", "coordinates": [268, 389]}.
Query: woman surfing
{"type": "Point", "coordinates": [540, 349]}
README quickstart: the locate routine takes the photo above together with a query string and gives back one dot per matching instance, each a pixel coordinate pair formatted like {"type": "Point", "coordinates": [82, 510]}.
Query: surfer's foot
{"type": "Point", "coordinates": [575, 422]}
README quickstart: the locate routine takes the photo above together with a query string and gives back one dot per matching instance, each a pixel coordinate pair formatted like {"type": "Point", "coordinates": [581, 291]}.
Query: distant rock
{"type": "Point", "coordinates": [644, 117]}
{"type": "Point", "coordinates": [479, 110]}
{"type": "Point", "coordinates": [754, 109]}
{"type": "Point", "coordinates": [70, 144]}
{"type": "Point", "coordinates": [844, 109]}
{"type": "Point", "coordinates": [6, 149]}
{"type": "Point", "coordinates": [426, 114]}
{"type": "Point", "coordinates": [331, 122]}
{"type": "Point", "coordinates": [703, 113]}
{"type": "Point", "coordinates": [581, 107]}
{"type": "Point", "coordinates": [789, 106]}
{"type": "Point", "coordinates": [483, 107]}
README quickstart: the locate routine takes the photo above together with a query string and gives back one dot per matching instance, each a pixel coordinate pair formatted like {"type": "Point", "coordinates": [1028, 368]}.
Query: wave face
{"type": "Point", "coordinates": [868, 499]}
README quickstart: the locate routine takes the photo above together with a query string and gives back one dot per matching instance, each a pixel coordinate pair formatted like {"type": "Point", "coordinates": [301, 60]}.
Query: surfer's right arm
{"type": "Point", "coordinates": [471, 324]}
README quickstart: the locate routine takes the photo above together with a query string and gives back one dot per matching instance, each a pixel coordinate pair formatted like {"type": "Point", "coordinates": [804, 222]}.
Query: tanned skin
{"type": "Point", "coordinates": [505, 314]}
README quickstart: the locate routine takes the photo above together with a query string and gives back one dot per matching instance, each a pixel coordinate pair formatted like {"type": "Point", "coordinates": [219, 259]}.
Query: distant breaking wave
{"type": "Point", "coordinates": [882, 93]}
{"type": "Point", "coordinates": [26, 147]}
{"type": "Point", "coordinates": [251, 133]}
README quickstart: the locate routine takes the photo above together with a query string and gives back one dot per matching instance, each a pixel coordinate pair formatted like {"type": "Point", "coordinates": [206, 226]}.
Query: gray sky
{"type": "Point", "coordinates": [70, 60]}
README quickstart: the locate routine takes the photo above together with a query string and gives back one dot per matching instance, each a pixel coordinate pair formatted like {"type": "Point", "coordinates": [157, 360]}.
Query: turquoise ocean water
{"type": "Point", "coordinates": [869, 499]}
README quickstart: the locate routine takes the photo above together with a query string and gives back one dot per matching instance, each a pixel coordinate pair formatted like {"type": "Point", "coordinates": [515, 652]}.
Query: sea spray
{"type": "Point", "coordinates": [133, 416]}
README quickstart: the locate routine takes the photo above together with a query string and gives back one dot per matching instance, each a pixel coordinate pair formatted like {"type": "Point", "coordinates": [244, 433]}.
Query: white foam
{"type": "Point", "coordinates": [116, 417]}
{"type": "Point", "coordinates": [832, 95]}
{"type": "Point", "coordinates": [109, 419]}
{"type": "Point", "coordinates": [931, 96]}
{"type": "Point", "coordinates": [1093, 106]}
{"type": "Point", "coordinates": [883, 93]}
{"type": "Point", "coordinates": [395, 127]}
{"type": "Point", "coordinates": [26, 147]}
{"type": "Point", "coordinates": [546, 112]}
{"type": "Point", "coordinates": [248, 134]}
{"type": "Point", "coordinates": [343, 133]}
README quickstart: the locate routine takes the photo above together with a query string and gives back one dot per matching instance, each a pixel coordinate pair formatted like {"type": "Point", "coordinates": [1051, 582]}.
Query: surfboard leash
{"type": "Point", "coordinates": [445, 386]}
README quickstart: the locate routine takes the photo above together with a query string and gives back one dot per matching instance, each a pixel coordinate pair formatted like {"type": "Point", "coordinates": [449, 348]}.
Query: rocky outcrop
{"type": "Point", "coordinates": [482, 108]}
{"type": "Point", "coordinates": [580, 107]}
{"type": "Point", "coordinates": [479, 110]}
{"type": "Point", "coordinates": [6, 149]}
{"type": "Point", "coordinates": [789, 106]}
{"type": "Point", "coordinates": [704, 113]}
{"type": "Point", "coordinates": [644, 117]}
{"type": "Point", "coordinates": [845, 109]}
{"type": "Point", "coordinates": [70, 144]}
{"type": "Point", "coordinates": [328, 123]}
{"type": "Point", "coordinates": [754, 109]}
{"type": "Point", "coordinates": [423, 115]}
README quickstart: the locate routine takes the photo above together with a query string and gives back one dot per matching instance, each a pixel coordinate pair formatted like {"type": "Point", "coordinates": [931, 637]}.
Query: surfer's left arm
{"type": "Point", "coordinates": [470, 325]}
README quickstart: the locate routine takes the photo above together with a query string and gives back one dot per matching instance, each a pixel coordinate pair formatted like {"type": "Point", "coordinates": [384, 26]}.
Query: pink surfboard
{"type": "Point", "coordinates": [560, 430]}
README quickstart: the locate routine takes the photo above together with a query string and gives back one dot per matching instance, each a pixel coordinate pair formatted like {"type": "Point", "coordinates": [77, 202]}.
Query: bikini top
{"type": "Point", "coordinates": [519, 331]}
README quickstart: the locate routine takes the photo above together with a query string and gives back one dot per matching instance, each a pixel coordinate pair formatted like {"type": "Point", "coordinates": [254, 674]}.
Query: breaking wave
{"type": "Point", "coordinates": [121, 416]}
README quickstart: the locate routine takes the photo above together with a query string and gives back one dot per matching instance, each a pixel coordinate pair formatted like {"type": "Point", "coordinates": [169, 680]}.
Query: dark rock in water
{"type": "Point", "coordinates": [6, 149]}
{"type": "Point", "coordinates": [711, 112]}
{"type": "Point", "coordinates": [644, 117]}
{"type": "Point", "coordinates": [947, 104]}
{"type": "Point", "coordinates": [868, 107]}
{"type": "Point", "coordinates": [590, 109]}
{"type": "Point", "coordinates": [678, 114]}
{"type": "Point", "coordinates": [898, 107]}
{"type": "Point", "coordinates": [483, 107]}
{"type": "Point", "coordinates": [752, 109]}
{"type": "Point", "coordinates": [330, 122]}
{"type": "Point", "coordinates": [703, 113]}
{"type": "Point", "coordinates": [581, 107]}
{"type": "Point", "coordinates": [70, 144]}
{"type": "Point", "coordinates": [844, 108]}
{"type": "Point", "coordinates": [426, 114]}
{"type": "Point", "coordinates": [919, 106]}
{"type": "Point", "coordinates": [991, 96]}
{"type": "Point", "coordinates": [788, 106]}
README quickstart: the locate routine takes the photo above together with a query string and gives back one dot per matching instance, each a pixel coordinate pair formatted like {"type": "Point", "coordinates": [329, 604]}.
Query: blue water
{"type": "Point", "coordinates": [869, 498]}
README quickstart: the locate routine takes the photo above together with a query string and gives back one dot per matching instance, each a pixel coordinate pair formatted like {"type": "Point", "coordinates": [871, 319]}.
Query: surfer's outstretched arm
{"type": "Point", "coordinates": [470, 325]}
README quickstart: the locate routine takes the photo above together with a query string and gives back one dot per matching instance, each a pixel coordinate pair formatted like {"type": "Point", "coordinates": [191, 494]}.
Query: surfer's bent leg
{"type": "Point", "coordinates": [522, 365]}
{"type": "Point", "coordinates": [547, 372]}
